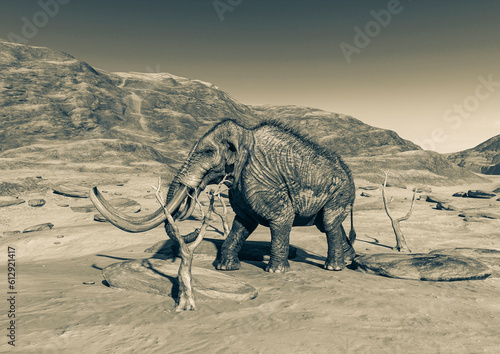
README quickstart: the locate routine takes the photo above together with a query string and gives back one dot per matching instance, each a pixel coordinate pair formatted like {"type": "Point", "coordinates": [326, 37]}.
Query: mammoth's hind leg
{"type": "Point", "coordinates": [240, 231]}
{"type": "Point", "coordinates": [331, 224]}
{"type": "Point", "coordinates": [349, 252]}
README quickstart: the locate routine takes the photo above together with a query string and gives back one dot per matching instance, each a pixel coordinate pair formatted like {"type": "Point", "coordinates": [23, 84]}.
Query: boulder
{"type": "Point", "coordinates": [434, 199]}
{"type": "Point", "coordinates": [478, 213]}
{"type": "Point", "coordinates": [472, 219]}
{"type": "Point", "coordinates": [71, 190]}
{"type": "Point", "coordinates": [125, 205]}
{"type": "Point", "coordinates": [395, 185]}
{"type": "Point", "coordinates": [100, 218]}
{"type": "Point", "coordinates": [445, 206]}
{"type": "Point", "coordinates": [39, 227]}
{"type": "Point", "coordinates": [369, 188]}
{"type": "Point", "coordinates": [489, 257]}
{"type": "Point", "coordinates": [251, 250]}
{"type": "Point", "coordinates": [480, 194]}
{"type": "Point", "coordinates": [8, 201]}
{"type": "Point", "coordinates": [36, 203]}
{"type": "Point", "coordinates": [367, 195]}
{"type": "Point", "coordinates": [460, 194]}
{"type": "Point", "coordinates": [428, 267]}
{"type": "Point", "coordinates": [422, 189]}
{"type": "Point", "coordinates": [158, 276]}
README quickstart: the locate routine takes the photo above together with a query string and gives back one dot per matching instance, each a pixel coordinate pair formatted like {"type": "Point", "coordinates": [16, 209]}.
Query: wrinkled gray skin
{"type": "Point", "coordinates": [279, 180]}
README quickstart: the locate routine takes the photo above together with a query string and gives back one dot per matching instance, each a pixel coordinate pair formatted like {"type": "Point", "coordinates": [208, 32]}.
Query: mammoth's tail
{"type": "Point", "coordinates": [352, 233]}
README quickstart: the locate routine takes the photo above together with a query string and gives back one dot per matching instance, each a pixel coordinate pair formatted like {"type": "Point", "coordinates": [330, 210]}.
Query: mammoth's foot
{"type": "Point", "coordinates": [278, 267]}
{"type": "Point", "coordinates": [228, 264]}
{"type": "Point", "coordinates": [334, 264]}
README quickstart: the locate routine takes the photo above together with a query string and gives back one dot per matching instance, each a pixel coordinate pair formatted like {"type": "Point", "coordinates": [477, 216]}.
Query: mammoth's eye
{"type": "Point", "coordinates": [208, 152]}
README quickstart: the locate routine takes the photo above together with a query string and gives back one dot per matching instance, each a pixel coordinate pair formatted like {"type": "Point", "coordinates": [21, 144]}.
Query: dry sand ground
{"type": "Point", "coordinates": [308, 310]}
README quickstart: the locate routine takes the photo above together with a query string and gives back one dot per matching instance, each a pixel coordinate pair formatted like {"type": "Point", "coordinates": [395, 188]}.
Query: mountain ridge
{"type": "Point", "coordinates": [50, 98]}
{"type": "Point", "coordinates": [483, 158]}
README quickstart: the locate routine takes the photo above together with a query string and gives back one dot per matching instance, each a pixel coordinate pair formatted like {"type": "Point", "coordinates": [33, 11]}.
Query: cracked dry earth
{"type": "Point", "coordinates": [308, 310]}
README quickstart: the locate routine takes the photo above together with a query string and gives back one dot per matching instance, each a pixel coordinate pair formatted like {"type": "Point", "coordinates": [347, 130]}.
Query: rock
{"type": "Point", "coordinates": [71, 190]}
{"type": "Point", "coordinates": [445, 206]}
{"type": "Point", "coordinates": [480, 194]}
{"type": "Point", "coordinates": [120, 184]}
{"type": "Point", "coordinates": [434, 199]}
{"type": "Point", "coordinates": [489, 257]}
{"type": "Point", "coordinates": [63, 205]}
{"type": "Point", "coordinates": [369, 188]}
{"type": "Point", "coordinates": [429, 267]}
{"type": "Point", "coordinates": [158, 276]}
{"type": "Point", "coordinates": [125, 205]}
{"type": "Point", "coordinates": [36, 203]}
{"type": "Point", "coordinates": [460, 194]}
{"type": "Point", "coordinates": [100, 218]}
{"type": "Point", "coordinates": [478, 213]}
{"type": "Point", "coordinates": [39, 227]}
{"type": "Point", "coordinates": [251, 250]}
{"type": "Point", "coordinates": [11, 233]}
{"type": "Point", "coordinates": [472, 219]}
{"type": "Point", "coordinates": [395, 185]}
{"type": "Point", "coordinates": [8, 201]}
{"type": "Point", "coordinates": [367, 195]}
{"type": "Point", "coordinates": [422, 189]}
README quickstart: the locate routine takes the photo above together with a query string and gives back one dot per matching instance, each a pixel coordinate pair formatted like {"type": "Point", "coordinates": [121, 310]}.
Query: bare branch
{"type": "Point", "coordinates": [185, 300]}
{"type": "Point", "coordinates": [386, 206]}
{"type": "Point", "coordinates": [407, 216]}
{"type": "Point", "coordinates": [400, 240]}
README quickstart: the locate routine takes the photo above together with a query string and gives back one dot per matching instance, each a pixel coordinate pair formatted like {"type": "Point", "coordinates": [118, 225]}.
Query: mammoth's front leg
{"type": "Point", "coordinates": [280, 241]}
{"type": "Point", "coordinates": [240, 231]}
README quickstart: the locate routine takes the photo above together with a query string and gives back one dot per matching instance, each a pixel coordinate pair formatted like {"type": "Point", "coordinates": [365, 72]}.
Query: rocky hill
{"type": "Point", "coordinates": [59, 110]}
{"type": "Point", "coordinates": [484, 158]}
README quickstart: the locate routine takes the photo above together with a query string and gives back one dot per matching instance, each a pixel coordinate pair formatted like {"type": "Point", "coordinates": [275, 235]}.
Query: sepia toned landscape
{"type": "Point", "coordinates": [66, 127]}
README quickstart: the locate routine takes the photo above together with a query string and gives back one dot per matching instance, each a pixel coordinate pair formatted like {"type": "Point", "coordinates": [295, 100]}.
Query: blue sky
{"type": "Point", "coordinates": [427, 69]}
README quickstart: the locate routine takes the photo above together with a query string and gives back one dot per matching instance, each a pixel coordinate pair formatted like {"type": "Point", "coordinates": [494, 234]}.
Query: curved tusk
{"type": "Point", "coordinates": [135, 223]}
{"type": "Point", "coordinates": [189, 211]}
{"type": "Point", "coordinates": [184, 209]}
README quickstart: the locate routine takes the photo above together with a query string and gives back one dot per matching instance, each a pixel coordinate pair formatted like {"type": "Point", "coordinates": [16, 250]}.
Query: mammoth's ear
{"type": "Point", "coordinates": [236, 155]}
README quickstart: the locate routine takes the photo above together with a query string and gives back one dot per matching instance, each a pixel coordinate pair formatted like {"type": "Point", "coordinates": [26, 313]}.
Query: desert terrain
{"type": "Point", "coordinates": [306, 310]}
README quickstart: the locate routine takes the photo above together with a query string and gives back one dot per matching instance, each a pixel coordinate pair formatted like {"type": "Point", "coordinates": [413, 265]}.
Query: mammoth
{"type": "Point", "coordinates": [276, 178]}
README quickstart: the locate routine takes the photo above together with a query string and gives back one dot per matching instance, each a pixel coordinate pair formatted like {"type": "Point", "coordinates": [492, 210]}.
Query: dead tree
{"type": "Point", "coordinates": [185, 300]}
{"type": "Point", "coordinates": [400, 239]}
